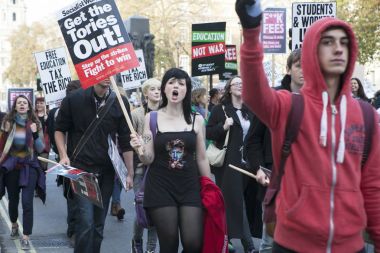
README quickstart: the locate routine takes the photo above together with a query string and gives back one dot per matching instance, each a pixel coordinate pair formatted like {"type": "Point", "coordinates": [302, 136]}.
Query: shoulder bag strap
{"type": "Point", "coordinates": [368, 117]}
{"type": "Point", "coordinates": [292, 127]}
{"type": "Point", "coordinates": [228, 132]}
{"type": "Point", "coordinates": [93, 125]}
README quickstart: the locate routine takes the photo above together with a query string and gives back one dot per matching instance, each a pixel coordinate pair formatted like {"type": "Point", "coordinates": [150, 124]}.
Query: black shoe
{"type": "Point", "coordinates": [120, 214]}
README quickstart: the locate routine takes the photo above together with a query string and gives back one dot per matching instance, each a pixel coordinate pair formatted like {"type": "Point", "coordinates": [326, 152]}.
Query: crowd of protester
{"type": "Point", "coordinates": [328, 196]}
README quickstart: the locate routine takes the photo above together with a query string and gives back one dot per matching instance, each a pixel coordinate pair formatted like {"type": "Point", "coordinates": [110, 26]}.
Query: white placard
{"type": "Point", "coordinates": [55, 74]}
{"type": "Point", "coordinates": [134, 78]}
{"type": "Point", "coordinates": [304, 14]}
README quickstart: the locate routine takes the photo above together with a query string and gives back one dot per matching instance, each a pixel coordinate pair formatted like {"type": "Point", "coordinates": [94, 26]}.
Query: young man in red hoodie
{"type": "Point", "coordinates": [327, 198]}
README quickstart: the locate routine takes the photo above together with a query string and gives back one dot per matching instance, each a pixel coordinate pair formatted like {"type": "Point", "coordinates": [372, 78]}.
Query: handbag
{"type": "Point", "coordinates": [142, 217]}
{"type": "Point", "coordinates": [215, 155]}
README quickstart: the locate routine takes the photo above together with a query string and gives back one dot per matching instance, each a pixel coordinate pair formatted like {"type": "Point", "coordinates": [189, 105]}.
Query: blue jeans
{"type": "Point", "coordinates": [91, 218]}
{"type": "Point", "coordinates": [138, 231]}
{"type": "Point", "coordinates": [11, 180]}
{"type": "Point", "coordinates": [266, 240]}
{"type": "Point", "coordinates": [116, 191]}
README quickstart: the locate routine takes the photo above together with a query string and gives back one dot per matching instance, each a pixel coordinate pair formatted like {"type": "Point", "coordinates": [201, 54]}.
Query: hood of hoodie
{"type": "Point", "coordinates": [314, 82]}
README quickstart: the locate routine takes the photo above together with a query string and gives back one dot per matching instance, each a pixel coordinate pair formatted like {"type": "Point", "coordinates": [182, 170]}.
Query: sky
{"type": "Point", "coordinates": [37, 10]}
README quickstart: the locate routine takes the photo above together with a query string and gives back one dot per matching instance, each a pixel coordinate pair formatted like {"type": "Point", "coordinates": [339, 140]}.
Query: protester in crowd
{"type": "Point", "coordinates": [151, 90]}
{"type": "Point", "coordinates": [116, 209]}
{"type": "Point", "coordinates": [358, 90]}
{"type": "Point", "coordinates": [76, 113]}
{"type": "Point", "coordinates": [65, 182]}
{"type": "Point", "coordinates": [231, 114]}
{"type": "Point", "coordinates": [22, 140]}
{"type": "Point", "coordinates": [326, 197]}
{"type": "Point", "coordinates": [2, 114]}
{"type": "Point", "coordinates": [214, 95]}
{"type": "Point", "coordinates": [376, 100]}
{"type": "Point", "coordinates": [199, 101]}
{"type": "Point", "coordinates": [258, 152]}
{"type": "Point", "coordinates": [42, 115]}
{"type": "Point", "coordinates": [177, 157]}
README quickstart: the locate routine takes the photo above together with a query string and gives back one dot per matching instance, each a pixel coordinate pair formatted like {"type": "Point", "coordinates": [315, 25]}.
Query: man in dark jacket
{"type": "Point", "coordinates": [259, 153]}
{"type": "Point", "coordinates": [75, 115]}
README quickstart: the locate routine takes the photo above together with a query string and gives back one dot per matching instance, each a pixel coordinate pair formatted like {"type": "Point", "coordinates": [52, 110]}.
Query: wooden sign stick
{"type": "Point", "coordinates": [129, 122]}
{"type": "Point", "coordinates": [242, 171]}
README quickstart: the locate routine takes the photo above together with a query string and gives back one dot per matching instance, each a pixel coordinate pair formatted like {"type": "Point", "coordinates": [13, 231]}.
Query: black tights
{"type": "Point", "coordinates": [188, 219]}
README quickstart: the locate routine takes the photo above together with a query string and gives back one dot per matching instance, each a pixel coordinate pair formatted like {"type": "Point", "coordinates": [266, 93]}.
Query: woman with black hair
{"type": "Point", "coordinates": [22, 140]}
{"type": "Point", "coordinates": [358, 90]}
{"type": "Point", "coordinates": [231, 114]}
{"type": "Point", "coordinates": [177, 157]}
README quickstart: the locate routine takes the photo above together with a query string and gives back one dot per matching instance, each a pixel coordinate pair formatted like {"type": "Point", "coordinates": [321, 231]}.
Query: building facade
{"type": "Point", "coordinates": [12, 14]}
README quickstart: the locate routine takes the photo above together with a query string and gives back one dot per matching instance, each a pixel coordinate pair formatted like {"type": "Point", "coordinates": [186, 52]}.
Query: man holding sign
{"type": "Point", "coordinates": [76, 116]}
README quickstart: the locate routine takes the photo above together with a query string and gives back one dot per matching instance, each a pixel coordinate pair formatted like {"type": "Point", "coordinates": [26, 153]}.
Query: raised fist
{"type": "Point", "coordinates": [33, 127]}
{"type": "Point", "coordinates": [249, 12]}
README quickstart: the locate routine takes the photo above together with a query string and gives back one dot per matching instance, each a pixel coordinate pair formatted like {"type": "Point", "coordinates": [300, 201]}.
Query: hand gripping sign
{"type": "Point", "coordinates": [98, 43]}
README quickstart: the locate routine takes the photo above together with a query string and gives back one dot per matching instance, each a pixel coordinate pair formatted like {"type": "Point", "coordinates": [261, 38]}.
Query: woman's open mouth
{"type": "Point", "coordinates": [175, 94]}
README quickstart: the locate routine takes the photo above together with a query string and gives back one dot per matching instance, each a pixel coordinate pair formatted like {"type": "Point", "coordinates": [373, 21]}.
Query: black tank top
{"type": "Point", "coordinates": [174, 171]}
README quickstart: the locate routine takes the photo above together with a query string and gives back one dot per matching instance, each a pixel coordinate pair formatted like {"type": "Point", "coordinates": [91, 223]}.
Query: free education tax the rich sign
{"type": "Point", "coordinates": [208, 48]}
{"type": "Point", "coordinates": [97, 40]}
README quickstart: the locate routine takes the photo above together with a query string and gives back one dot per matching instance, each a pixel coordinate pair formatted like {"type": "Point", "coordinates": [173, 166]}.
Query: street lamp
{"type": "Point", "coordinates": [177, 45]}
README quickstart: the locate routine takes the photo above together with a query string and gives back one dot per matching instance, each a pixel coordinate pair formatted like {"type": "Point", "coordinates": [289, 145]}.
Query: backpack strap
{"type": "Point", "coordinates": [153, 128]}
{"type": "Point", "coordinates": [368, 117]}
{"type": "Point", "coordinates": [292, 127]}
{"type": "Point", "coordinates": [291, 131]}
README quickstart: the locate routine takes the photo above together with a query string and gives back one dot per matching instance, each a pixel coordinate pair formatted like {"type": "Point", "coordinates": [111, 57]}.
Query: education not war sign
{"type": "Point", "coordinates": [54, 73]}
{"type": "Point", "coordinates": [273, 31]}
{"type": "Point", "coordinates": [304, 14]}
{"type": "Point", "coordinates": [230, 65]}
{"type": "Point", "coordinates": [97, 40]}
{"type": "Point", "coordinates": [208, 48]}
{"type": "Point", "coordinates": [133, 78]}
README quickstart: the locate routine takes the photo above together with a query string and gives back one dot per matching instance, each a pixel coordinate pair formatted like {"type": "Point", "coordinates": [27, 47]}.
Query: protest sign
{"type": "Point", "coordinates": [273, 31]}
{"type": "Point", "coordinates": [83, 183]}
{"type": "Point", "coordinates": [133, 78]}
{"type": "Point", "coordinates": [97, 40]}
{"type": "Point", "coordinates": [13, 93]}
{"type": "Point", "coordinates": [208, 48]}
{"type": "Point", "coordinates": [230, 66]}
{"type": "Point", "coordinates": [87, 187]}
{"type": "Point", "coordinates": [54, 74]}
{"type": "Point", "coordinates": [66, 171]}
{"type": "Point", "coordinates": [304, 14]}
{"type": "Point", "coordinates": [117, 162]}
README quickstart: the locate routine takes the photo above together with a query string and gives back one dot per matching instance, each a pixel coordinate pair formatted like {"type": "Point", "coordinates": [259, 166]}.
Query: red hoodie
{"type": "Point", "coordinates": [326, 200]}
{"type": "Point", "coordinates": [215, 238]}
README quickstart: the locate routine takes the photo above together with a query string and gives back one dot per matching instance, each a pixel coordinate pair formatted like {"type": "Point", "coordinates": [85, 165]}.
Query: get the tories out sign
{"type": "Point", "coordinates": [97, 40]}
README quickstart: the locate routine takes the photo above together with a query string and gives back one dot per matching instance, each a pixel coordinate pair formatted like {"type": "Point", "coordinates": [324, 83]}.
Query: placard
{"type": "Point", "coordinates": [54, 74]}
{"type": "Point", "coordinates": [304, 14]}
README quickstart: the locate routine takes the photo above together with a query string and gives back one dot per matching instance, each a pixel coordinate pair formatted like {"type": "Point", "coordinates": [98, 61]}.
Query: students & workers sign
{"type": "Point", "coordinates": [304, 14]}
{"type": "Point", "coordinates": [54, 72]}
{"type": "Point", "coordinates": [208, 48]}
{"type": "Point", "coordinates": [96, 39]}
